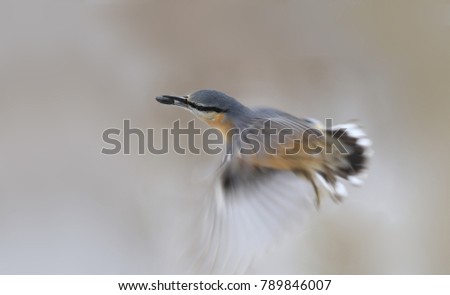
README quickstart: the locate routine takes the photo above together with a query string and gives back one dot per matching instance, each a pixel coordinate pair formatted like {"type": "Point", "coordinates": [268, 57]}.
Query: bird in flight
{"type": "Point", "coordinates": [276, 169]}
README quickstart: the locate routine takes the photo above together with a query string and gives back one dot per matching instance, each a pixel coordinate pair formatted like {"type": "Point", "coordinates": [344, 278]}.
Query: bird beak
{"type": "Point", "coordinates": [180, 101]}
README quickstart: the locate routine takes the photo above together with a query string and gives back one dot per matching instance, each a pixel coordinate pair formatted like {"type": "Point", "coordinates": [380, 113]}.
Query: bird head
{"type": "Point", "coordinates": [215, 108]}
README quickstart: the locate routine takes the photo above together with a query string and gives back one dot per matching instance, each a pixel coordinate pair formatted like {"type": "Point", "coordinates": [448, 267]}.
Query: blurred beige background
{"type": "Point", "coordinates": [68, 71]}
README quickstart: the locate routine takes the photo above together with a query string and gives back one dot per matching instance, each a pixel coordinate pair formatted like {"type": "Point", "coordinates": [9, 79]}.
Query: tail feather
{"type": "Point", "coordinates": [352, 164]}
{"type": "Point", "coordinates": [348, 164]}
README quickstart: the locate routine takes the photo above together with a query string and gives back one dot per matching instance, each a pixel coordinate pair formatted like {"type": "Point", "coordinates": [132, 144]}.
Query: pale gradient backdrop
{"type": "Point", "coordinates": [68, 71]}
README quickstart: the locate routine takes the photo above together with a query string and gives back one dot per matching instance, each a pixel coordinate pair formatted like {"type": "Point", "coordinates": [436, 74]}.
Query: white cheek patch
{"type": "Point", "coordinates": [206, 116]}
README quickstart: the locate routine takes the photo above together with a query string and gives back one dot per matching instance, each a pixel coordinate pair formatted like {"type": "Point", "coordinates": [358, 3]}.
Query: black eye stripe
{"type": "Point", "coordinates": [184, 99]}
{"type": "Point", "coordinates": [205, 108]}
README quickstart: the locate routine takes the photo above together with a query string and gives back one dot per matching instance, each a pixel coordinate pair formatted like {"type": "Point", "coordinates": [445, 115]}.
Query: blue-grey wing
{"type": "Point", "coordinates": [285, 120]}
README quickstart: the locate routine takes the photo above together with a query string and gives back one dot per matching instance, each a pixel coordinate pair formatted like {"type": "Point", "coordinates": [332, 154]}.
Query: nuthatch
{"type": "Point", "coordinates": [258, 193]}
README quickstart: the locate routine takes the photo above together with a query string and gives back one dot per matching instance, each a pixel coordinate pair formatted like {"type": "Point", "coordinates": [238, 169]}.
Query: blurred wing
{"type": "Point", "coordinates": [250, 208]}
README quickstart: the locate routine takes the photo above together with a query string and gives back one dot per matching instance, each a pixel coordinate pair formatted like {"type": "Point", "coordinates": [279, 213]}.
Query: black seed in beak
{"type": "Point", "coordinates": [165, 99]}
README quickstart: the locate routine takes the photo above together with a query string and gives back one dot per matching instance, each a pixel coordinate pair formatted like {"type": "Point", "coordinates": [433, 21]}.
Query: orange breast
{"type": "Point", "coordinates": [220, 122]}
